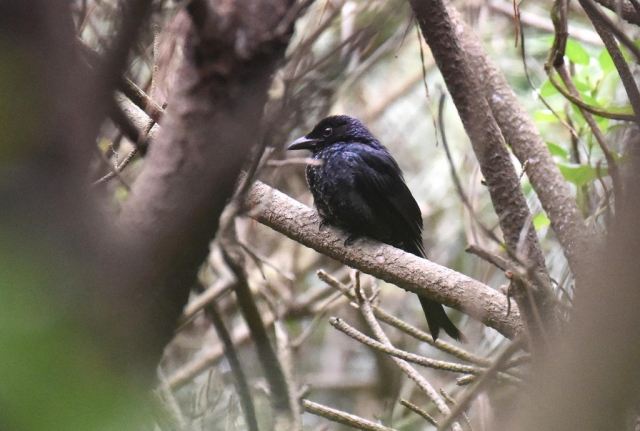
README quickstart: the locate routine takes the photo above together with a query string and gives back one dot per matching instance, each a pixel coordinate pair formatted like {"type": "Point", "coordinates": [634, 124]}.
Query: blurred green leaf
{"type": "Point", "coordinates": [557, 150]}
{"type": "Point", "coordinates": [541, 220]}
{"type": "Point", "coordinates": [582, 87]}
{"type": "Point", "coordinates": [580, 174]}
{"type": "Point", "coordinates": [606, 62]}
{"type": "Point", "coordinates": [576, 53]}
{"type": "Point", "coordinates": [548, 89]}
{"type": "Point", "coordinates": [546, 116]}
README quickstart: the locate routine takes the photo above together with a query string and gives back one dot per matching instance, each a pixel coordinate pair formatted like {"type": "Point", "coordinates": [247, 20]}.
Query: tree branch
{"type": "Point", "coordinates": [527, 144]}
{"type": "Point", "coordinates": [488, 144]}
{"type": "Point", "coordinates": [300, 223]}
{"type": "Point", "coordinates": [191, 170]}
{"type": "Point", "coordinates": [623, 8]}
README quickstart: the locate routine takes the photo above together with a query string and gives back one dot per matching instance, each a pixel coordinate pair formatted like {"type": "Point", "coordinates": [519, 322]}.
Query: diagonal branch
{"type": "Point", "coordinates": [300, 223]}
{"type": "Point", "coordinates": [191, 170]}
{"type": "Point", "coordinates": [527, 144]}
{"type": "Point", "coordinates": [489, 146]}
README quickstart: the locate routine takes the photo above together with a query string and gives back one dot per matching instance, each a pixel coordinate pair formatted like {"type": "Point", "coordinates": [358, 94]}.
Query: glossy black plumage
{"type": "Point", "coordinates": [359, 187]}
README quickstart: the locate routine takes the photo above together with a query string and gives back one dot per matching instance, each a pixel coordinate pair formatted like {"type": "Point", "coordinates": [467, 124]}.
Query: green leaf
{"type": "Point", "coordinates": [580, 174]}
{"type": "Point", "coordinates": [606, 62]}
{"type": "Point", "coordinates": [576, 53]}
{"type": "Point", "coordinates": [557, 150]}
{"type": "Point", "coordinates": [548, 89]}
{"type": "Point", "coordinates": [541, 220]}
{"type": "Point", "coordinates": [546, 116]}
{"type": "Point", "coordinates": [590, 100]}
{"type": "Point", "coordinates": [581, 86]}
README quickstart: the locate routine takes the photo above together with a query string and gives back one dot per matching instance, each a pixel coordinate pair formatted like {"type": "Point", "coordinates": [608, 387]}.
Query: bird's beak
{"type": "Point", "coordinates": [303, 143]}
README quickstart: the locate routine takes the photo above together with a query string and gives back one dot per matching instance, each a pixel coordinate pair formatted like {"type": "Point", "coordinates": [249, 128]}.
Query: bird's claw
{"type": "Point", "coordinates": [350, 240]}
{"type": "Point", "coordinates": [323, 224]}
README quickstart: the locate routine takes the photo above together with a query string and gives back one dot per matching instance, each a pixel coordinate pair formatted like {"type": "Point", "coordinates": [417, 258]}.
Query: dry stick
{"type": "Point", "coordinates": [423, 384]}
{"type": "Point", "coordinates": [344, 418]}
{"type": "Point", "coordinates": [597, 133]}
{"type": "Point", "coordinates": [127, 86]}
{"type": "Point", "coordinates": [242, 387]}
{"type": "Point", "coordinates": [497, 261]}
{"type": "Point", "coordinates": [405, 327]}
{"type": "Point", "coordinates": [601, 24]}
{"type": "Point", "coordinates": [419, 411]}
{"type": "Point", "coordinates": [108, 75]}
{"type": "Point", "coordinates": [452, 367]}
{"type": "Point", "coordinates": [481, 383]}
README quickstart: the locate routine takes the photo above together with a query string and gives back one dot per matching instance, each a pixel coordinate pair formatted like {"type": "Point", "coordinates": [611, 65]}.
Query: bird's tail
{"type": "Point", "coordinates": [437, 319]}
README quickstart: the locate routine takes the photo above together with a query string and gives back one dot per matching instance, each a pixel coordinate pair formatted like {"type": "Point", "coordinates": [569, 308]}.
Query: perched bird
{"type": "Point", "coordinates": [360, 188]}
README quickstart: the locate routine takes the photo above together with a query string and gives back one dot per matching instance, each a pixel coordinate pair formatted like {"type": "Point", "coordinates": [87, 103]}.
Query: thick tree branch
{"type": "Point", "coordinates": [492, 154]}
{"type": "Point", "coordinates": [527, 144]}
{"type": "Point", "coordinates": [191, 169]}
{"type": "Point", "coordinates": [300, 223]}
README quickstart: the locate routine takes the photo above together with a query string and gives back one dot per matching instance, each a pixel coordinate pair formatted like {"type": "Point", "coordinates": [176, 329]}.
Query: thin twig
{"type": "Point", "coordinates": [497, 261]}
{"type": "Point", "coordinates": [341, 417]}
{"type": "Point", "coordinates": [405, 327]}
{"type": "Point", "coordinates": [367, 313]}
{"type": "Point", "coordinates": [242, 387]}
{"type": "Point", "coordinates": [481, 383]}
{"type": "Point", "coordinates": [419, 411]}
{"type": "Point", "coordinates": [350, 331]}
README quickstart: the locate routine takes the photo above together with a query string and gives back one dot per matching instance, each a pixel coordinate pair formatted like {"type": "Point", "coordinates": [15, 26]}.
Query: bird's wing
{"type": "Point", "coordinates": [380, 180]}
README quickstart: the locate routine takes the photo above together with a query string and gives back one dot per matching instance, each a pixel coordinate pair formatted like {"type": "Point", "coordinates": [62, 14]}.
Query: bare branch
{"type": "Point", "coordinates": [527, 144]}
{"type": "Point", "coordinates": [490, 150]}
{"type": "Point", "coordinates": [341, 417]}
{"type": "Point", "coordinates": [300, 223]}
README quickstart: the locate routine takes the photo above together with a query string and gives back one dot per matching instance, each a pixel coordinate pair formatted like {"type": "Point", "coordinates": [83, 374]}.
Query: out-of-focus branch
{"type": "Point", "coordinates": [527, 144]}
{"type": "Point", "coordinates": [300, 223]}
{"type": "Point", "coordinates": [240, 380]}
{"type": "Point", "coordinates": [623, 8]}
{"type": "Point", "coordinates": [599, 355]}
{"type": "Point", "coordinates": [341, 417]}
{"type": "Point", "coordinates": [281, 393]}
{"type": "Point", "coordinates": [493, 157]}
{"type": "Point", "coordinates": [482, 383]}
{"type": "Point", "coordinates": [213, 119]}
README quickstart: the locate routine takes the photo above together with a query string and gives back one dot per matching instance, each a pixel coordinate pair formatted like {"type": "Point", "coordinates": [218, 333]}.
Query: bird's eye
{"type": "Point", "coordinates": [327, 132]}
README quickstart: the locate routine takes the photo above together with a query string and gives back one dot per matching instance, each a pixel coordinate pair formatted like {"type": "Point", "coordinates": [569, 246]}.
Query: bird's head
{"type": "Point", "coordinates": [331, 130]}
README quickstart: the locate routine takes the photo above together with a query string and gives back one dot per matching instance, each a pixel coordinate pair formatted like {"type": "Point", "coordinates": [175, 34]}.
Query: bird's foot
{"type": "Point", "coordinates": [350, 239]}
{"type": "Point", "coordinates": [323, 224]}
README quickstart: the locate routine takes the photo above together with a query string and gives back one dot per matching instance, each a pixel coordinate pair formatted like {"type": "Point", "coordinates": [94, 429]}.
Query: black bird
{"type": "Point", "coordinates": [359, 187]}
